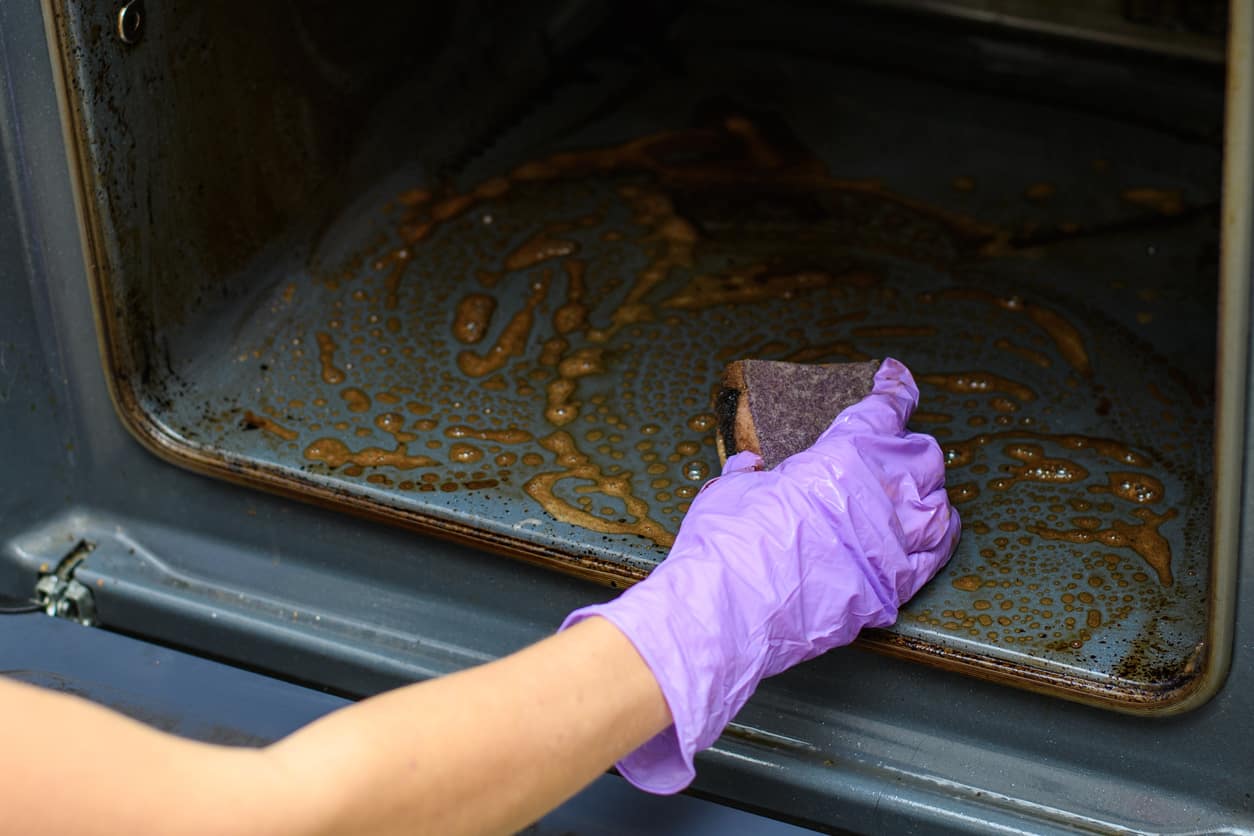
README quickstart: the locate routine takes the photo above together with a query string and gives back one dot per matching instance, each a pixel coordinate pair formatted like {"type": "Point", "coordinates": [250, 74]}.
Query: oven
{"type": "Point", "coordinates": [359, 345]}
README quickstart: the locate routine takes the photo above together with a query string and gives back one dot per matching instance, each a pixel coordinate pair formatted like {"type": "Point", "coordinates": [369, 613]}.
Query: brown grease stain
{"type": "Point", "coordinates": [261, 422]}
{"type": "Point", "coordinates": [511, 342]}
{"type": "Point", "coordinates": [1163, 201]}
{"type": "Point", "coordinates": [510, 435]}
{"type": "Point", "coordinates": [968, 583]}
{"type": "Point", "coordinates": [464, 453]}
{"type": "Point", "coordinates": [965, 492]}
{"type": "Point", "coordinates": [474, 313]}
{"type": "Point", "coordinates": [979, 383]}
{"type": "Point", "coordinates": [1037, 467]}
{"type": "Point", "coordinates": [1066, 337]}
{"type": "Point", "coordinates": [754, 284]}
{"type": "Point", "coordinates": [394, 424]}
{"type": "Point", "coordinates": [1140, 488]}
{"type": "Point", "coordinates": [576, 465]}
{"type": "Point", "coordinates": [1142, 538]}
{"type": "Point", "coordinates": [358, 401]}
{"type": "Point", "coordinates": [335, 453]}
{"type": "Point", "coordinates": [573, 314]}
{"type": "Point", "coordinates": [1031, 355]}
{"type": "Point", "coordinates": [538, 249]}
{"type": "Point", "coordinates": [326, 358]}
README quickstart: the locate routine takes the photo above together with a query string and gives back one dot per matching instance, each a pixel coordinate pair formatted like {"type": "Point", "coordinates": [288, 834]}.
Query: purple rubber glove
{"type": "Point", "coordinates": [771, 568]}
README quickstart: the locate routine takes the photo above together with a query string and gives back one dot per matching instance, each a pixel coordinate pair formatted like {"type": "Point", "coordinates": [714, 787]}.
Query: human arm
{"type": "Point", "coordinates": [486, 750]}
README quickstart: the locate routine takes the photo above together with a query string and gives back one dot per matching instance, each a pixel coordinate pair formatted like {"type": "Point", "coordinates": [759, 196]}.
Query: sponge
{"type": "Point", "coordinates": [776, 409]}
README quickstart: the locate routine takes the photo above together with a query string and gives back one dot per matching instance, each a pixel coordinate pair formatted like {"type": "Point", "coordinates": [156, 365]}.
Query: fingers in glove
{"type": "Point", "coordinates": [927, 562]}
{"type": "Point", "coordinates": [925, 521]}
{"type": "Point", "coordinates": [911, 465]}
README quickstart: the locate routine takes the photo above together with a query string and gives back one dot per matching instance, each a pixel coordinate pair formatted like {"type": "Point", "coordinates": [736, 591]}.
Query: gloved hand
{"type": "Point", "coordinates": [771, 568]}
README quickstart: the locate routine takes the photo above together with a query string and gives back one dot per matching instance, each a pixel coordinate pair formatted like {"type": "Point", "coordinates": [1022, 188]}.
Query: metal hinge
{"type": "Point", "coordinates": [61, 595]}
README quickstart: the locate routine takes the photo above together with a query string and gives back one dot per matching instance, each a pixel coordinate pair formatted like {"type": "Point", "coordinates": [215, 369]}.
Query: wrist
{"type": "Point", "coordinates": [706, 668]}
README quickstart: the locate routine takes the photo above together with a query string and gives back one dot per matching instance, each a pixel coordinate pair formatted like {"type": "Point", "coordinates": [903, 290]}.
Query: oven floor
{"type": "Point", "coordinates": [526, 352]}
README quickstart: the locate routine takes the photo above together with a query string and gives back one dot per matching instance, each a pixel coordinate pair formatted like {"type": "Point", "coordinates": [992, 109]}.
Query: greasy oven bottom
{"type": "Point", "coordinates": [524, 353]}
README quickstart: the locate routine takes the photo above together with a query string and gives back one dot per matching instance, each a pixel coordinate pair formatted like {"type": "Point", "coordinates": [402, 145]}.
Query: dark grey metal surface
{"type": "Point", "coordinates": [851, 740]}
{"type": "Point", "coordinates": [523, 351]}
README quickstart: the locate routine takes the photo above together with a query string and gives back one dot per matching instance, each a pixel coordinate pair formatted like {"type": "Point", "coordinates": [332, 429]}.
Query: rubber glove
{"type": "Point", "coordinates": [771, 568]}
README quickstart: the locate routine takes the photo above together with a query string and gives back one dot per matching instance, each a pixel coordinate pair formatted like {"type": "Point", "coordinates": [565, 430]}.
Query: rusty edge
{"type": "Point", "coordinates": [1176, 697]}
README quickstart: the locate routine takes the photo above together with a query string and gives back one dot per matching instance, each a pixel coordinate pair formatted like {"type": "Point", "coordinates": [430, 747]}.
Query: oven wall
{"type": "Point", "coordinates": [852, 740]}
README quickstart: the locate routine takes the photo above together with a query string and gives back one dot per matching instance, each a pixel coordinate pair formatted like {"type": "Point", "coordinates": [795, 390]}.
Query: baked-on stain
{"type": "Point", "coordinates": [471, 319]}
{"type": "Point", "coordinates": [539, 248]}
{"type": "Point", "coordinates": [702, 422]}
{"type": "Point", "coordinates": [394, 424]}
{"type": "Point", "coordinates": [573, 315]}
{"type": "Point", "coordinates": [397, 261]}
{"type": "Point", "coordinates": [326, 357]}
{"type": "Point", "coordinates": [1036, 467]}
{"type": "Point", "coordinates": [560, 409]}
{"type": "Point", "coordinates": [1142, 538]}
{"type": "Point", "coordinates": [1031, 355]}
{"type": "Point", "coordinates": [513, 338]}
{"type": "Point", "coordinates": [964, 492]}
{"type": "Point", "coordinates": [968, 583]}
{"type": "Point", "coordinates": [755, 283]}
{"type": "Point", "coordinates": [1163, 201]}
{"type": "Point", "coordinates": [509, 435]}
{"type": "Point", "coordinates": [1140, 488]}
{"type": "Point", "coordinates": [978, 383]}
{"type": "Point", "coordinates": [464, 453]}
{"type": "Point", "coordinates": [357, 400]}
{"type": "Point", "coordinates": [335, 453]}
{"type": "Point", "coordinates": [1066, 337]}
{"type": "Point", "coordinates": [576, 465]}
{"type": "Point", "coordinates": [261, 422]}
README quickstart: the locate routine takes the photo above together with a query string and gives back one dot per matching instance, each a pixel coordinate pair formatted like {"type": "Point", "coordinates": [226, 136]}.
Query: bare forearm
{"type": "Point", "coordinates": [486, 750]}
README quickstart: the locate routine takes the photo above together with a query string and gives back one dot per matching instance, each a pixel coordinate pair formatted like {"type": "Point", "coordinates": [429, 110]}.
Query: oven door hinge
{"type": "Point", "coordinates": [61, 595]}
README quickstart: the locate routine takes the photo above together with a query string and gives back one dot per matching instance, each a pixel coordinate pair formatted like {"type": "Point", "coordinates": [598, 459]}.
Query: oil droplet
{"type": "Point", "coordinates": [358, 401]}
{"type": "Point", "coordinates": [696, 471]}
{"type": "Point", "coordinates": [473, 315]}
{"type": "Point", "coordinates": [464, 453]}
{"type": "Point", "coordinates": [326, 357]}
{"type": "Point", "coordinates": [253, 420]}
{"type": "Point", "coordinates": [703, 422]}
{"type": "Point", "coordinates": [965, 492]}
{"type": "Point", "coordinates": [1140, 488]}
{"type": "Point", "coordinates": [968, 583]}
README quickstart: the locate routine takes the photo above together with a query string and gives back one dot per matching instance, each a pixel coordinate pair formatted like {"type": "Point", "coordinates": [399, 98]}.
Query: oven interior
{"type": "Point", "coordinates": [476, 269]}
